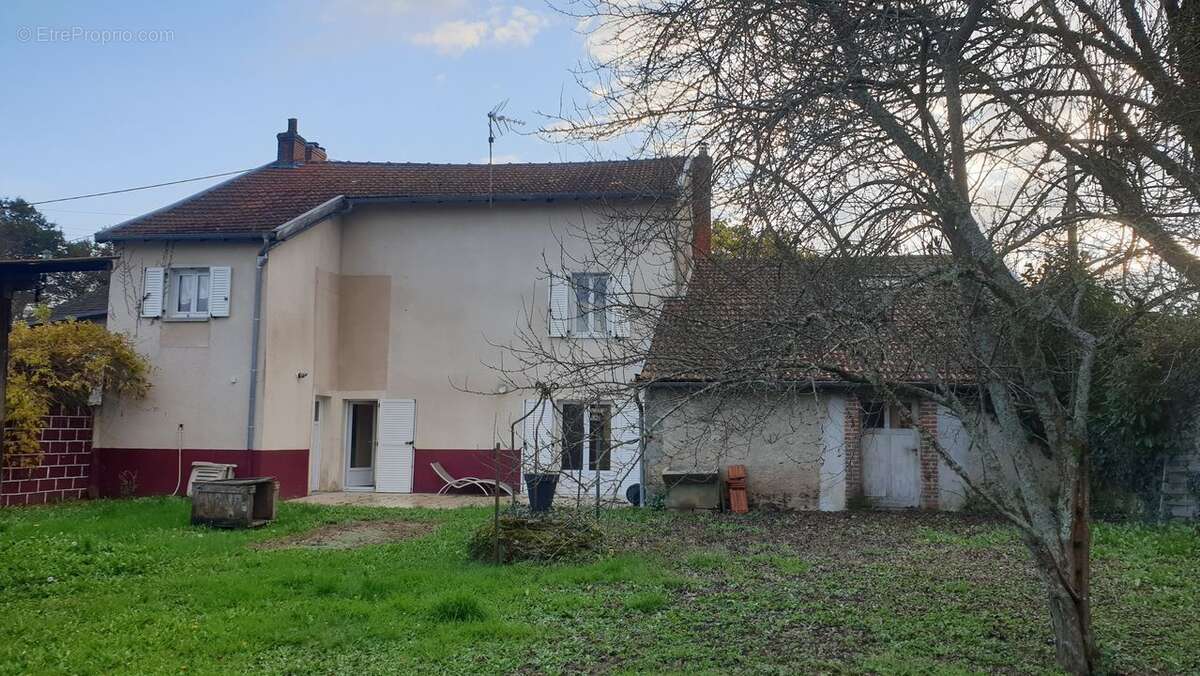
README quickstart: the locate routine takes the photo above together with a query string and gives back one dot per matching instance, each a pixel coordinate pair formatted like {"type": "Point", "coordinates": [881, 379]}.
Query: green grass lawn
{"type": "Point", "coordinates": [128, 586]}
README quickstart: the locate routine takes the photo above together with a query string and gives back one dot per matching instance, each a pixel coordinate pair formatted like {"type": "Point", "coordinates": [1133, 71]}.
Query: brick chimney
{"type": "Point", "coordinates": [700, 192]}
{"type": "Point", "coordinates": [293, 149]}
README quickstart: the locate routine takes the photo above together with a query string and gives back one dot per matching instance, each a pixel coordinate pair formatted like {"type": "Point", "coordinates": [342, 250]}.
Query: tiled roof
{"type": "Point", "coordinates": [779, 320]}
{"type": "Point", "coordinates": [269, 196]}
{"type": "Point", "coordinates": [88, 306]}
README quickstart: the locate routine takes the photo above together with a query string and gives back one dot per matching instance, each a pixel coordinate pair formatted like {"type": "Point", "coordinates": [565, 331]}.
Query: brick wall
{"type": "Point", "coordinates": [927, 421]}
{"type": "Point", "coordinates": [853, 441]}
{"type": "Point", "coordinates": [65, 469]}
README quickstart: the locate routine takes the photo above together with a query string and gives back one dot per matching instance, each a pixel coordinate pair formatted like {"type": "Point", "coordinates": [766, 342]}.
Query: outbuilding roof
{"type": "Point", "coordinates": [782, 319]}
{"type": "Point", "coordinates": [262, 199]}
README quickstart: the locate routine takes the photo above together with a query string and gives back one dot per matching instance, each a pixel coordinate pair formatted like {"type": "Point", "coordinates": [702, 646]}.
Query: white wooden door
{"type": "Point", "coordinates": [394, 458]}
{"type": "Point", "coordinates": [314, 448]}
{"type": "Point", "coordinates": [891, 462]}
{"type": "Point", "coordinates": [891, 471]}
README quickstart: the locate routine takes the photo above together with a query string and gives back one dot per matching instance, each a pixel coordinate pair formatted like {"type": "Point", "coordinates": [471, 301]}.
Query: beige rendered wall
{"type": "Point", "coordinates": [464, 281]}
{"type": "Point", "coordinates": [299, 323]}
{"type": "Point", "coordinates": [199, 376]}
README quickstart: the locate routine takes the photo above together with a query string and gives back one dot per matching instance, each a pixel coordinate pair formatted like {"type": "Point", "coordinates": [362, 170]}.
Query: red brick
{"type": "Point", "coordinates": [78, 422]}
{"type": "Point", "coordinates": [56, 471]}
{"type": "Point", "coordinates": [81, 482]}
{"type": "Point", "coordinates": [65, 483]}
{"type": "Point", "coordinates": [28, 486]}
{"type": "Point", "coordinates": [46, 484]}
{"type": "Point", "coordinates": [50, 435]}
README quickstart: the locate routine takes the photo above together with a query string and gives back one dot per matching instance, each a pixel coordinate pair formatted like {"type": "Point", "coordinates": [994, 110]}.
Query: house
{"type": "Point", "coordinates": [342, 325]}
{"type": "Point", "coordinates": [88, 307]}
{"type": "Point", "coordinates": [763, 362]}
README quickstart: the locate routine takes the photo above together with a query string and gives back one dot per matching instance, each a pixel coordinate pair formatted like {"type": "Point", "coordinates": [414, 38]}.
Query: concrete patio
{"type": "Point", "coordinates": [427, 500]}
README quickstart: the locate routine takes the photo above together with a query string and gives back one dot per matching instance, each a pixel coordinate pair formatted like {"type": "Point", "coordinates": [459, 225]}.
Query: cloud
{"type": "Point", "coordinates": [518, 26]}
{"type": "Point", "coordinates": [454, 37]}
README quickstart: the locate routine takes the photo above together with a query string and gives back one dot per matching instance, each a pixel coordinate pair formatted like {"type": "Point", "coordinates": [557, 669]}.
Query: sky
{"type": "Point", "coordinates": [101, 96]}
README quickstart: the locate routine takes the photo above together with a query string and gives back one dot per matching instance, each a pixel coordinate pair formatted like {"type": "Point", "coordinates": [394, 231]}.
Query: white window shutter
{"type": "Point", "coordinates": [626, 451]}
{"type": "Point", "coordinates": [537, 448]}
{"type": "Point", "coordinates": [394, 455]}
{"type": "Point", "coordinates": [620, 306]}
{"type": "Point", "coordinates": [218, 291]}
{"type": "Point", "coordinates": [558, 317]}
{"type": "Point", "coordinates": [152, 291]}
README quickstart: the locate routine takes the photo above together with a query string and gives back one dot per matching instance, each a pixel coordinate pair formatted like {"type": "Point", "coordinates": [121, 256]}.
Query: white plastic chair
{"type": "Point", "coordinates": [209, 471]}
{"type": "Point", "coordinates": [452, 482]}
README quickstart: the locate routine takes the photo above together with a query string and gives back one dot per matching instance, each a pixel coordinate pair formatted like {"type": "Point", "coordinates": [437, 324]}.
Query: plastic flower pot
{"type": "Point", "coordinates": [541, 491]}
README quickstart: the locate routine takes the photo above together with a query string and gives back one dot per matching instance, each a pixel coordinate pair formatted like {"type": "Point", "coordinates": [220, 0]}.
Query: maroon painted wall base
{"type": "Point", "coordinates": [468, 463]}
{"type": "Point", "coordinates": [157, 471]}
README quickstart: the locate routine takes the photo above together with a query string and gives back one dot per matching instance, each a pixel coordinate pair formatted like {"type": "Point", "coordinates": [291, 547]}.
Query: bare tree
{"type": "Point", "coordinates": [1034, 151]}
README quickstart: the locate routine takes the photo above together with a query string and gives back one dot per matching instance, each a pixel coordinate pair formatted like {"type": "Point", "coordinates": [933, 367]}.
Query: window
{"type": "Point", "coordinates": [591, 302]}
{"type": "Point", "coordinates": [189, 292]}
{"type": "Point", "coordinates": [878, 415]}
{"type": "Point", "coordinates": [587, 436]}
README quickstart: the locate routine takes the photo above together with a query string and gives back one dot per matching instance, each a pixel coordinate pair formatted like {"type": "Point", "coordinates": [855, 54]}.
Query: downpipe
{"type": "Point", "coordinates": [260, 265]}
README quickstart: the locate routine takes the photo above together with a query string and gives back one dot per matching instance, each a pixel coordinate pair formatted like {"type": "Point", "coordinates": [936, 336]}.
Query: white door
{"type": "Point", "coordinates": [600, 445]}
{"type": "Point", "coordinates": [314, 449]}
{"type": "Point", "coordinates": [891, 462]}
{"type": "Point", "coordinates": [360, 444]}
{"type": "Point", "coordinates": [394, 459]}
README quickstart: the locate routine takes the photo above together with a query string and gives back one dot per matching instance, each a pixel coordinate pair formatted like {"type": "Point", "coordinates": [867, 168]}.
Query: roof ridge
{"type": "Point", "coordinates": [645, 160]}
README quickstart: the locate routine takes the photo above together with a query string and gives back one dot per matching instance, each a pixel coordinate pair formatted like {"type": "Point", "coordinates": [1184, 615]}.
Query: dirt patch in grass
{"type": "Point", "coordinates": [350, 535]}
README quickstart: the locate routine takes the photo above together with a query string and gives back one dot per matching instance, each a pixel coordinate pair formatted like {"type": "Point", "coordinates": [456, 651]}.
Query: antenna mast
{"type": "Point", "coordinates": [497, 125]}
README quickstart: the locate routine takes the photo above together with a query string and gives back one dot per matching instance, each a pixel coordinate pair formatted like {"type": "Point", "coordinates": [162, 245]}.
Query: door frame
{"type": "Point", "coordinates": [347, 439]}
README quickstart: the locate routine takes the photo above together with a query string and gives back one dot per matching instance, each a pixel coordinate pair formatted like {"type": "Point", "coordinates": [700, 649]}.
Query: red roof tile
{"type": "Point", "coordinates": [774, 319]}
{"type": "Point", "coordinates": [269, 196]}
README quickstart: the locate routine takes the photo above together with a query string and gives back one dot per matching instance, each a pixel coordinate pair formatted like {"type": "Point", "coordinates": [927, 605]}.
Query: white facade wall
{"type": "Point", "coordinates": [200, 368]}
{"type": "Point", "coordinates": [382, 302]}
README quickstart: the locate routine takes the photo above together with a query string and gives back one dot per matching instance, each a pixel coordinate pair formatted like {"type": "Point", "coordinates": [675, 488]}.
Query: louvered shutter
{"type": "Point", "coordinates": [626, 452]}
{"type": "Point", "coordinates": [394, 456]}
{"type": "Point", "coordinates": [558, 315]}
{"type": "Point", "coordinates": [152, 292]}
{"type": "Point", "coordinates": [537, 448]}
{"type": "Point", "coordinates": [218, 291]}
{"type": "Point", "coordinates": [620, 306]}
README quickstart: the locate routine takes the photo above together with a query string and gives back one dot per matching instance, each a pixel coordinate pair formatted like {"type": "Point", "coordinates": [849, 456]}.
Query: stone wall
{"type": "Point", "coordinates": [777, 436]}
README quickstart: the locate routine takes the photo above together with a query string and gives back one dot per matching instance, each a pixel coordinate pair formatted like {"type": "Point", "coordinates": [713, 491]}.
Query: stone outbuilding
{"type": "Point", "coordinates": [748, 368]}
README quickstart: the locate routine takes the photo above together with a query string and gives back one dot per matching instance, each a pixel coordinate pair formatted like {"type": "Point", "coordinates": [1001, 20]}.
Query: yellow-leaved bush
{"type": "Point", "coordinates": [63, 363]}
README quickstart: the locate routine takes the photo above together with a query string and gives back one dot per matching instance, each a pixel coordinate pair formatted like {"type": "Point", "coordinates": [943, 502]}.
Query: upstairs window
{"type": "Point", "coordinates": [190, 292]}
{"type": "Point", "coordinates": [591, 302]}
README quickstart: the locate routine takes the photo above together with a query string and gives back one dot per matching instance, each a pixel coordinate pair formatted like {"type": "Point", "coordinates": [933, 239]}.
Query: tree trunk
{"type": "Point", "coordinates": [1066, 570]}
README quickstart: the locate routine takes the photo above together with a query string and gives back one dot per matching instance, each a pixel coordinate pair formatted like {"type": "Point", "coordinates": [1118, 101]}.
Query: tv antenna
{"type": "Point", "coordinates": [498, 123]}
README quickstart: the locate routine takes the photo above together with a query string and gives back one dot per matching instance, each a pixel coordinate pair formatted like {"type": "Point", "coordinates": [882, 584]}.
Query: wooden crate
{"type": "Point", "coordinates": [235, 503]}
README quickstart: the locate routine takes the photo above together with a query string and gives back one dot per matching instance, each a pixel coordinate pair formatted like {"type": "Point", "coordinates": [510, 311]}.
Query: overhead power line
{"type": "Point", "coordinates": [140, 187]}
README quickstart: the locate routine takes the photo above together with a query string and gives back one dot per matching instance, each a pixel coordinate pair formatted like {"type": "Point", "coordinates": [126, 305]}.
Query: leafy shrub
{"type": "Point", "coordinates": [63, 362]}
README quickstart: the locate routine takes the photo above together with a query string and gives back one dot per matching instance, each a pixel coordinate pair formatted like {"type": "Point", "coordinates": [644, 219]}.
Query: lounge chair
{"type": "Point", "coordinates": [451, 482]}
